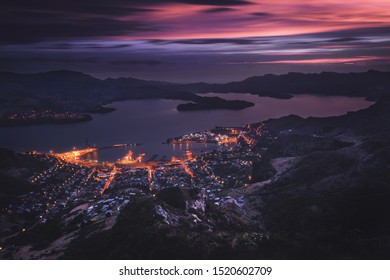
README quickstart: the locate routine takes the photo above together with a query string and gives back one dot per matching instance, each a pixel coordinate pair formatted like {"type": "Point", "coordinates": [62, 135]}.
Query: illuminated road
{"type": "Point", "coordinates": [90, 174]}
{"type": "Point", "coordinates": [186, 169]}
{"type": "Point", "coordinates": [109, 180]}
{"type": "Point", "coordinates": [247, 140]}
{"type": "Point", "coordinates": [183, 165]}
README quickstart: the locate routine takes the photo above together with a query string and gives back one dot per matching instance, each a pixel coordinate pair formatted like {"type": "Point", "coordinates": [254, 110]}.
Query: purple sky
{"type": "Point", "coordinates": [189, 40]}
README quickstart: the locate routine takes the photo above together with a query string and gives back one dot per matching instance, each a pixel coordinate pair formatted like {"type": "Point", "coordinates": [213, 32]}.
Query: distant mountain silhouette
{"type": "Point", "coordinates": [371, 84]}
{"type": "Point", "coordinates": [71, 91]}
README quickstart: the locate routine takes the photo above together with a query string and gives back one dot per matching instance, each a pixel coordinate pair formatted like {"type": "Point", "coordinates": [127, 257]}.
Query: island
{"type": "Point", "coordinates": [212, 103]}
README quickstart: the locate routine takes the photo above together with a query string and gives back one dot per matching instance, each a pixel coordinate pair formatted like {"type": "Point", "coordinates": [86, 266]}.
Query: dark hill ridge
{"type": "Point", "coordinates": [164, 228]}
{"type": "Point", "coordinates": [65, 84]}
{"type": "Point", "coordinates": [68, 92]}
{"type": "Point", "coordinates": [71, 91]}
{"type": "Point", "coordinates": [77, 85]}
{"type": "Point", "coordinates": [14, 168]}
{"type": "Point", "coordinates": [373, 121]}
{"type": "Point", "coordinates": [370, 84]}
{"type": "Point", "coordinates": [332, 202]}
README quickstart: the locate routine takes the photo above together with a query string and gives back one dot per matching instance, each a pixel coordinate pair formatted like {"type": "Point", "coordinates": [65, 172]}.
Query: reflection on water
{"type": "Point", "coordinates": [152, 122]}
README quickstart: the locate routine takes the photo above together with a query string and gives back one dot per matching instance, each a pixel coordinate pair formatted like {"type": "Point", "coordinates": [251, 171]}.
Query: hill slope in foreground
{"type": "Point", "coordinates": [319, 191]}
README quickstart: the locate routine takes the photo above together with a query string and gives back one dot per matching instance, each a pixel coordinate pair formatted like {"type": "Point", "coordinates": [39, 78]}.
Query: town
{"type": "Point", "coordinates": [99, 190]}
{"type": "Point", "coordinates": [42, 116]}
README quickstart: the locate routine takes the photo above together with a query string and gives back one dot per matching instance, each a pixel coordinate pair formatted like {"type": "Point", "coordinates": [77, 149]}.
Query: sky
{"type": "Point", "coordinates": [194, 40]}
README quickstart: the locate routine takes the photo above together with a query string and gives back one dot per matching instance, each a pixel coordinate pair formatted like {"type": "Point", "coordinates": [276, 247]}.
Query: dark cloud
{"type": "Point", "coordinates": [149, 62]}
{"type": "Point", "coordinates": [99, 46]}
{"type": "Point", "coordinates": [245, 41]}
{"type": "Point", "coordinates": [301, 43]}
{"type": "Point", "coordinates": [357, 37]}
{"type": "Point", "coordinates": [68, 46]}
{"type": "Point", "coordinates": [91, 7]}
{"type": "Point", "coordinates": [260, 14]}
{"type": "Point", "coordinates": [60, 46]}
{"type": "Point", "coordinates": [74, 60]}
{"type": "Point", "coordinates": [218, 10]}
{"type": "Point", "coordinates": [25, 32]}
{"type": "Point", "coordinates": [201, 2]}
{"type": "Point", "coordinates": [26, 21]}
{"type": "Point", "coordinates": [345, 39]}
{"type": "Point", "coordinates": [104, 7]}
{"type": "Point", "coordinates": [355, 33]}
{"type": "Point", "coordinates": [45, 59]}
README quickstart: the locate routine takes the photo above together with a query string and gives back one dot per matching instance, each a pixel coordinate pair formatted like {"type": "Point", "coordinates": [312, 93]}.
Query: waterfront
{"type": "Point", "coordinates": [152, 122]}
{"type": "Point", "coordinates": [77, 196]}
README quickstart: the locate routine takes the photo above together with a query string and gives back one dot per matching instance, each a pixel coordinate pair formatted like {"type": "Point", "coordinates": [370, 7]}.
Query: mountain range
{"type": "Point", "coordinates": [70, 91]}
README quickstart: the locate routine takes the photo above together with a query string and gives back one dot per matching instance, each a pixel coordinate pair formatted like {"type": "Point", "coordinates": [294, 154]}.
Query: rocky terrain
{"type": "Point", "coordinates": [329, 198]}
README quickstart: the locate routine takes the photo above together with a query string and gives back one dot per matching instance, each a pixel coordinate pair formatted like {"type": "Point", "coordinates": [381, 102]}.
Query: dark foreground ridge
{"type": "Point", "coordinates": [318, 190]}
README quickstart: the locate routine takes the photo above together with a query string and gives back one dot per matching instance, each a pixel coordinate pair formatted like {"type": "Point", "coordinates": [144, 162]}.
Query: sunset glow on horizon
{"type": "Point", "coordinates": [192, 40]}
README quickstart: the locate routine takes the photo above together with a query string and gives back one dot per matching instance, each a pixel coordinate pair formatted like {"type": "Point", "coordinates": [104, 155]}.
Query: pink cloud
{"type": "Point", "coordinates": [345, 60]}
{"type": "Point", "coordinates": [277, 18]}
